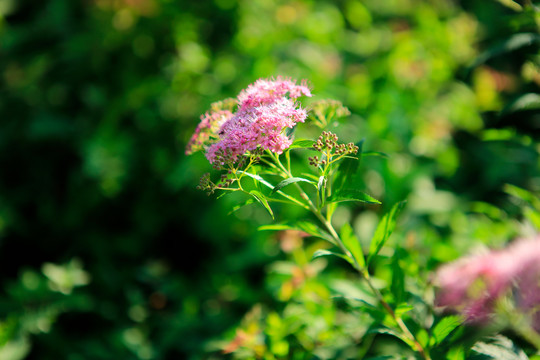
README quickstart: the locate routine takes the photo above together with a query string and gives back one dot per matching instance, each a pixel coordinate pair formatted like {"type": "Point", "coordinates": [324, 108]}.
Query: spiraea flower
{"type": "Point", "coordinates": [473, 285]}
{"type": "Point", "coordinates": [206, 133]}
{"type": "Point", "coordinates": [265, 109]}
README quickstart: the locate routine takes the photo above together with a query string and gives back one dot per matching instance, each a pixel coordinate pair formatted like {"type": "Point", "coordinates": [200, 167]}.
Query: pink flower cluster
{"type": "Point", "coordinates": [206, 132]}
{"type": "Point", "coordinates": [265, 109]}
{"type": "Point", "coordinates": [473, 285]}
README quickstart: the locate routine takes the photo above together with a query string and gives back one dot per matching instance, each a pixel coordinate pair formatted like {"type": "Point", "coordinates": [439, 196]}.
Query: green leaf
{"type": "Point", "coordinates": [387, 331]}
{"type": "Point", "coordinates": [514, 42]}
{"type": "Point", "coordinates": [258, 178]}
{"type": "Point", "coordinates": [532, 199]}
{"type": "Point", "coordinates": [501, 349]}
{"type": "Point", "coordinates": [302, 144]}
{"type": "Point", "coordinates": [444, 328]}
{"type": "Point", "coordinates": [346, 176]}
{"type": "Point", "coordinates": [403, 309]}
{"type": "Point", "coordinates": [353, 245]}
{"type": "Point", "coordinates": [384, 230]}
{"type": "Point", "coordinates": [311, 176]}
{"type": "Point", "coordinates": [239, 206]}
{"type": "Point", "coordinates": [262, 200]}
{"type": "Point", "coordinates": [375, 153]}
{"type": "Point", "coordinates": [321, 189]}
{"type": "Point", "coordinates": [321, 252]}
{"type": "Point", "coordinates": [351, 195]}
{"type": "Point", "coordinates": [304, 226]}
{"type": "Point", "coordinates": [289, 181]}
{"type": "Point", "coordinates": [397, 286]}
{"type": "Point", "coordinates": [530, 101]}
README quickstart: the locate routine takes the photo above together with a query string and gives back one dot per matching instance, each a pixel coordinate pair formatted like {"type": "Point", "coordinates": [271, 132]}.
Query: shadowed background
{"type": "Point", "coordinates": [107, 250]}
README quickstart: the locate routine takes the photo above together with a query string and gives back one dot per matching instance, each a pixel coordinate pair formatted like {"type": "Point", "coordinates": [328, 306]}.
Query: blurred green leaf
{"type": "Point", "coordinates": [530, 101]}
{"type": "Point", "coordinates": [347, 172]}
{"type": "Point", "coordinates": [397, 286]}
{"type": "Point", "coordinates": [352, 244]}
{"type": "Point", "coordinates": [384, 230]}
{"type": "Point", "coordinates": [513, 43]}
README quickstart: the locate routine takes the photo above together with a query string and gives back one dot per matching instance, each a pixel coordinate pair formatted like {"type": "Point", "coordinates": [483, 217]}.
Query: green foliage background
{"type": "Point", "coordinates": [108, 251]}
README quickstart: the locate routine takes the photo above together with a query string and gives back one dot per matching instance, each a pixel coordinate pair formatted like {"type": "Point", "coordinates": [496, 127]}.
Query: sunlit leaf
{"type": "Point", "coordinates": [444, 328]}
{"type": "Point", "coordinates": [258, 178]}
{"type": "Point", "coordinates": [322, 252]}
{"type": "Point", "coordinates": [304, 226]}
{"type": "Point", "coordinates": [387, 331]}
{"type": "Point", "coordinates": [351, 195]}
{"type": "Point", "coordinates": [289, 181]}
{"type": "Point", "coordinates": [262, 200]}
{"type": "Point", "coordinates": [302, 144]}
{"type": "Point", "coordinates": [402, 309]}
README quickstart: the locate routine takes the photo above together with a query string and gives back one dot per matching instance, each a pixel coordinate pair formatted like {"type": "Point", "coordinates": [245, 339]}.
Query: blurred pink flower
{"type": "Point", "coordinates": [472, 285]}
{"type": "Point", "coordinates": [265, 109]}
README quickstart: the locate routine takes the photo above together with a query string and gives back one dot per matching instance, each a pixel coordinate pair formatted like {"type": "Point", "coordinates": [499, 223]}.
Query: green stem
{"type": "Point", "coordinates": [362, 271]}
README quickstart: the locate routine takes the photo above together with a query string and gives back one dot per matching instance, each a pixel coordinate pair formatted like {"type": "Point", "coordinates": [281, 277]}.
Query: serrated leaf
{"type": "Point", "coordinates": [444, 328]}
{"type": "Point", "coordinates": [353, 245]}
{"type": "Point", "coordinates": [302, 144]}
{"type": "Point", "coordinates": [262, 200]}
{"type": "Point", "coordinates": [321, 252]}
{"type": "Point", "coordinates": [351, 195]}
{"type": "Point", "coordinates": [530, 101]}
{"type": "Point", "coordinates": [304, 226]}
{"type": "Point", "coordinates": [289, 181]}
{"type": "Point", "coordinates": [384, 230]}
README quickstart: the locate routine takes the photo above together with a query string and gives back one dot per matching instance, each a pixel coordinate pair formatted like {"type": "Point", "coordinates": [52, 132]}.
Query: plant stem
{"type": "Point", "coordinates": [362, 271]}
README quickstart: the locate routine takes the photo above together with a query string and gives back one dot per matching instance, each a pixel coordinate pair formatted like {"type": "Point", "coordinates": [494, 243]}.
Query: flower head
{"type": "Point", "coordinates": [207, 130]}
{"type": "Point", "coordinates": [473, 285]}
{"type": "Point", "coordinates": [265, 109]}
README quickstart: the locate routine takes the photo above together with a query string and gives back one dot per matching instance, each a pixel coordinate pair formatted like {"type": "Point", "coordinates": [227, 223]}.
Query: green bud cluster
{"type": "Point", "coordinates": [328, 143]}
{"type": "Point", "coordinates": [205, 184]}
